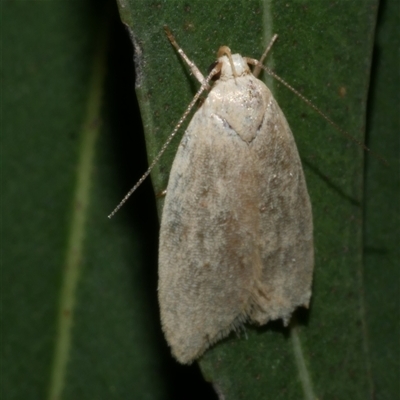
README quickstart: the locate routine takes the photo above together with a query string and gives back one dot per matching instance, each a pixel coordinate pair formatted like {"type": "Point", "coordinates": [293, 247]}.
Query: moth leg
{"type": "Point", "coordinates": [163, 193]}
{"type": "Point", "coordinates": [257, 69]}
{"type": "Point", "coordinates": [195, 71]}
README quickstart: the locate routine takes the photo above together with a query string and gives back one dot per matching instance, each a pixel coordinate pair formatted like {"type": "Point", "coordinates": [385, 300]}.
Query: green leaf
{"type": "Point", "coordinates": [79, 292]}
{"type": "Point", "coordinates": [69, 77]}
{"type": "Point", "coordinates": [325, 51]}
{"type": "Point", "coordinates": [382, 212]}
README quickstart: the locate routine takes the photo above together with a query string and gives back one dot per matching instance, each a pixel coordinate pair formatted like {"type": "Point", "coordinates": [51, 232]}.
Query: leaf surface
{"type": "Point", "coordinates": [72, 146]}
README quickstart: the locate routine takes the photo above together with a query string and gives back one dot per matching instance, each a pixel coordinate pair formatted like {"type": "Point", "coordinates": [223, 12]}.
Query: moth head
{"type": "Point", "coordinates": [231, 65]}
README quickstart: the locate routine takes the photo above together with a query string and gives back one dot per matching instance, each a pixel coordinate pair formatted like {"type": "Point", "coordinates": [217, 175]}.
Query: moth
{"type": "Point", "coordinates": [236, 236]}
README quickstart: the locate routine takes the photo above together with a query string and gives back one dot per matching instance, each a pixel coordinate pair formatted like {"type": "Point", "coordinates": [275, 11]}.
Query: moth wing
{"type": "Point", "coordinates": [286, 224]}
{"type": "Point", "coordinates": [236, 232]}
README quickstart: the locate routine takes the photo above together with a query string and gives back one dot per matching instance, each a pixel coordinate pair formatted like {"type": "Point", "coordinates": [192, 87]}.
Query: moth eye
{"type": "Point", "coordinates": [211, 67]}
